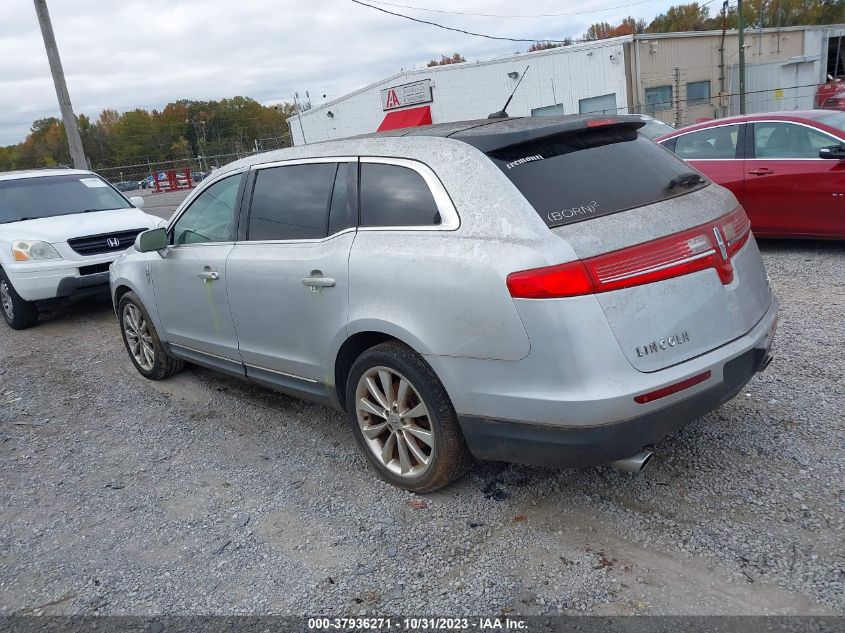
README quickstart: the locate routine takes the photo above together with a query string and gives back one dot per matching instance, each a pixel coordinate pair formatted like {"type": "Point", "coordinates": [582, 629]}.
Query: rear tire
{"type": "Point", "coordinates": [420, 452]}
{"type": "Point", "coordinates": [18, 313]}
{"type": "Point", "coordinates": [142, 343]}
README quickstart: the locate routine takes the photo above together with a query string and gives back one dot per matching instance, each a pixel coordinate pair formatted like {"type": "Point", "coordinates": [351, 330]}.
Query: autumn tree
{"type": "Point", "coordinates": [682, 17]}
{"type": "Point", "coordinates": [444, 60]}
{"type": "Point", "coordinates": [542, 46]}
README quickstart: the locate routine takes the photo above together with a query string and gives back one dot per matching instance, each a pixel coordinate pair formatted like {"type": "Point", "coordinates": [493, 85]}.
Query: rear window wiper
{"type": "Point", "coordinates": [685, 181]}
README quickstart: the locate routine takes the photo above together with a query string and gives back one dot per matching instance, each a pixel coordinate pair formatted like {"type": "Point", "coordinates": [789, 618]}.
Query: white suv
{"type": "Point", "coordinates": [60, 230]}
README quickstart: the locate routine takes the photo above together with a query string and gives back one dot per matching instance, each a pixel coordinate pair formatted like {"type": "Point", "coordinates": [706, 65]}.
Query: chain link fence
{"type": "Point", "coordinates": [139, 176]}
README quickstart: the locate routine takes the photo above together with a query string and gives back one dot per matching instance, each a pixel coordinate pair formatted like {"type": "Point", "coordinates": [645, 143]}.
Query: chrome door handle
{"type": "Point", "coordinates": [762, 171]}
{"type": "Point", "coordinates": [209, 275]}
{"type": "Point", "coordinates": [318, 282]}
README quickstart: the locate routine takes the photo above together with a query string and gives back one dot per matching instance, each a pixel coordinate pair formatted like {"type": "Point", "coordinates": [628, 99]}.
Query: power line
{"type": "Point", "coordinates": [503, 15]}
{"type": "Point", "coordinates": [450, 28]}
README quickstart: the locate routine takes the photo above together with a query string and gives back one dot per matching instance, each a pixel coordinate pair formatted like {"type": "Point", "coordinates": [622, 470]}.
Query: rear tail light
{"type": "Point", "coordinates": [651, 396]}
{"type": "Point", "coordinates": [710, 245]}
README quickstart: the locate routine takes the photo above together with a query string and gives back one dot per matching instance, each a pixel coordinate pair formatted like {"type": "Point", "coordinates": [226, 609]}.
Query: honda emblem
{"type": "Point", "coordinates": [113, 242]}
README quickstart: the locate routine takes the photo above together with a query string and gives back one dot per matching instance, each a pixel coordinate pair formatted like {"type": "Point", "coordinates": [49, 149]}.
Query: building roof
{"type": "Point", "coordinates": [748, 32]}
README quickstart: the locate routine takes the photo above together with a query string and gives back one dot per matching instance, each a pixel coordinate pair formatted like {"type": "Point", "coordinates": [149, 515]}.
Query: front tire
{"type": "Point", "coordinates": [403, 420]}
{"type": "Point", "coordinates": [142, 343]}
{"type": "Point", "coordinates": [18, 313]}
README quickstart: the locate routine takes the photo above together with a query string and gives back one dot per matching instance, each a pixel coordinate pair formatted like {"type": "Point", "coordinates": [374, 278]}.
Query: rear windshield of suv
{"type": "Point", "coordinates": [46, 196]}
{"type": "Point", "coordinates": [586, 174]}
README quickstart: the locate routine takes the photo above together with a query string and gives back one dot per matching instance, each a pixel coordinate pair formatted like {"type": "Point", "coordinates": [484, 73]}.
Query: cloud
{"type": "Point", "coordinates": [136, 53]}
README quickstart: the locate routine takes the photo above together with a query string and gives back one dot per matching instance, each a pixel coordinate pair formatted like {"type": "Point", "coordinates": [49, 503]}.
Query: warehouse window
{"type": "Point", "coordinates": [395, 196]}
{"type": "Point", "coordinates": [698, 93]}
{"type": "Point", "coordinates": [658, 98]}
{"type": "Point", "coordinates": [603, 104]}
{"type": "Point", "coordinates": [552, 110]}
{"type": "Point", "coordinates": [291, 202]}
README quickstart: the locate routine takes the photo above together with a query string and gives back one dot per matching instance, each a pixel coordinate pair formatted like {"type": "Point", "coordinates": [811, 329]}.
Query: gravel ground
{"type": "Point", "coordinates": [202, 494]}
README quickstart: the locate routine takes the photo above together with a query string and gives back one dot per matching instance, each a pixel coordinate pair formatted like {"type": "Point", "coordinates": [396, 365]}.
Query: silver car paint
{"type": "Point", "coordinates": [283, 325]}
{"type": "Point", "coordinates": [195, 310]}
{"type": "Point", "coordinates": [443, 293]}
{"type": "Point", "coordinates": [698, 308]}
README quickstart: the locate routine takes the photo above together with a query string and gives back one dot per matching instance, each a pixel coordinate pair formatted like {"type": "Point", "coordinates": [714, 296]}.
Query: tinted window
{"type": "Point", "coordinates": [787, 140]}
{"type": "Point", "coordinates": [658, 98]}
{"type": "Point", "coordinates": [46, 196]}
{"type": "Point", "coordinates": [395, 196]}
{"type": "Point", "coordinates": [291, 203]}
{"type": "Point", "coordinates": [211, 217]}
{"type": "Point", "coordinates": [590, 173]}
{"type": "Point", "coordinates": [344, 209]}
{"type": "Point", "coordinates": [712, 143]}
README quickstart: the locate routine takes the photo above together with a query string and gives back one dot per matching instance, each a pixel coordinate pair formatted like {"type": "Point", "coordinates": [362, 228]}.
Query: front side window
{"type": "Point", "coordinates": [211, 216]}
{"type": "Point", "coordinates": [698, 93]}
{"type": "Point", "coordinates": [396, 196]}
{"type": "Point", "coordinates": [715, 143]}
{"type": "Point", "coordinates": [48, 196]}
{"type": "Point", "coordinates": [658, 98]}
{"type": "Point", "coordinates": [779, 139]}
{"type": "Point", "coordinates": [291, 202]}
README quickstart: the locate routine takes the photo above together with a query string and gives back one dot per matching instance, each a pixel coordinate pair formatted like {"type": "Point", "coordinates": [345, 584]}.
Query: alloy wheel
{"type": "Point", "coordinates": [138, 337]}
{"type": "Point", "coordinates": [394, 421]}
{"type": "Point", "coordinates": [6, 300]}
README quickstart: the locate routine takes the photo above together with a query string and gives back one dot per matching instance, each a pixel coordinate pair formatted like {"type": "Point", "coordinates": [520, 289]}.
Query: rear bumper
{"type": "Point", "coordinates": [579, 446]}
{"type": "Point", "coordinates": [578, 409]}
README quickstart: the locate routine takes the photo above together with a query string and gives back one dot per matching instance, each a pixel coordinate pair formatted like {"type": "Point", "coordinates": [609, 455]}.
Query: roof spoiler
{"type": "Point", "coordinates": [500, 140]}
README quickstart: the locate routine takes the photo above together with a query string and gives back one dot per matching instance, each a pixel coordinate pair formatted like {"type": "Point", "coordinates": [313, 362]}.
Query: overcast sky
{"type": "Point", "coordinates": [124, 54]}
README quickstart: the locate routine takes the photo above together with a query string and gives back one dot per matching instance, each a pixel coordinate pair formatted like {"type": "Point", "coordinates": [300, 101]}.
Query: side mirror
{"type": "Point", "coordinates": [152, 240]}
{"type": "Point", "coordinates": [138, 201]}
{"type": "Point", "coordinates": [833, 153]}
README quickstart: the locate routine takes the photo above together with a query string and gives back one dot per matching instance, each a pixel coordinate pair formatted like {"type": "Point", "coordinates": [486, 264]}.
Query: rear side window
{"type": "Point", "coordinates": [395, 196]}
{"type": "Point", "coordinates": [714, 143]}
{"type": "Point", "coordinates": [590, 173]}
{"type": "Point", "coordinates": [291, 202]}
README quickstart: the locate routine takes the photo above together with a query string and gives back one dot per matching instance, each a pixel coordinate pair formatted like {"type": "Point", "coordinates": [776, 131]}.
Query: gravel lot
{"type": "Point", "coordinates": [202, 494]}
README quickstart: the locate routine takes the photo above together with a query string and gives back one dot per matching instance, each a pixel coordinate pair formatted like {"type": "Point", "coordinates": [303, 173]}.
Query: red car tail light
{"type": "Point", "coordinates": [651, 396]}
{"type": "Point", "coordinates": [710, 245]}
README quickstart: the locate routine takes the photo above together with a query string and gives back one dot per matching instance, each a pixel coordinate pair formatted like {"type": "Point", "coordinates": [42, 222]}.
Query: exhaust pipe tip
{"type": "Point", "coordinates": [634, 463]}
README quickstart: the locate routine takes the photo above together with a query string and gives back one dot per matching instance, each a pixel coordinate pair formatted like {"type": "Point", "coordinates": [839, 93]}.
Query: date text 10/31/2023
{"type": "Point", "coordinates": [416, 624]}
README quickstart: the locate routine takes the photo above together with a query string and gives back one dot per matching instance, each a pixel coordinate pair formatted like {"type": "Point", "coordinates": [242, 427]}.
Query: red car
{"type": "Point", "coordinates": [786, 169]}
{"type": "Point", "coordinates": [831, 96]}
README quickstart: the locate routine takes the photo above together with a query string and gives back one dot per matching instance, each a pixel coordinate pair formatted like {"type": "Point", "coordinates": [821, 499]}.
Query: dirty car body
{"type": "Point", "coordinates": [575, 292]}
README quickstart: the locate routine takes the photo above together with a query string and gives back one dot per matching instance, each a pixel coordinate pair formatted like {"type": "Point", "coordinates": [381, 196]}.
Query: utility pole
{"type": "Point", "coordinates": [77, 154]}
{"type": "Point", "coordinates": [741, 28]}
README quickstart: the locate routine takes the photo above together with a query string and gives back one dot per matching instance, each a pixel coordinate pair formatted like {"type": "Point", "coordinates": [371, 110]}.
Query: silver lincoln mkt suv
{"type": "Point", "coordinates": [551, 291]}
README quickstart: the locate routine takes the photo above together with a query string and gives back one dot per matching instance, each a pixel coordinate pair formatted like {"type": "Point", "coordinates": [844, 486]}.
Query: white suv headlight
{"type": "Point", "coordinates": [26, 250]}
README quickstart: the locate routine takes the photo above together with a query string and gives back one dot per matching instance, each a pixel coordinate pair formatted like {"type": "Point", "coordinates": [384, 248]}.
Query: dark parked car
{"type": "Point", "coordinates": [125, 185]}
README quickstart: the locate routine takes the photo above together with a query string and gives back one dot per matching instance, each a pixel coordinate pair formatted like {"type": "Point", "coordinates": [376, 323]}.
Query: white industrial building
{"type": "Point", "coordinates": [583, 77]}
{"type": "Point", "coordinates": [676, 77]}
